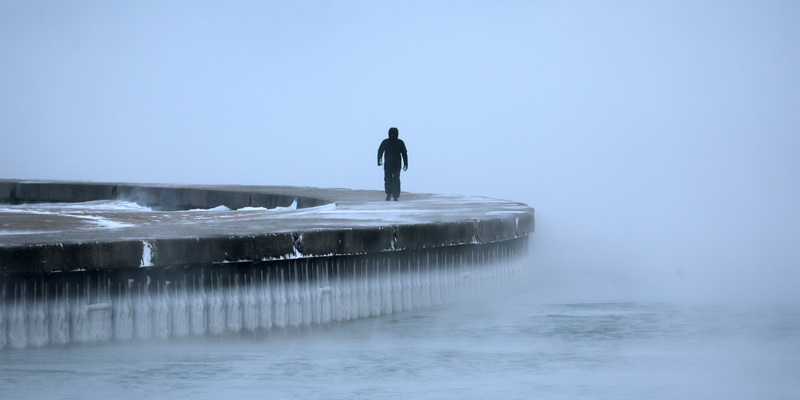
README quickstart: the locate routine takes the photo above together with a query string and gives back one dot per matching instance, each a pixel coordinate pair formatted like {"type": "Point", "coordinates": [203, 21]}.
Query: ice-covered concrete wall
{"type": "Point", "coordinates": [333, 255]}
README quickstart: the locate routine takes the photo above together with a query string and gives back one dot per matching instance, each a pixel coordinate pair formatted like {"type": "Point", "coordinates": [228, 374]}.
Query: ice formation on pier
{"type": "Point", "coordinates": [158, 303]}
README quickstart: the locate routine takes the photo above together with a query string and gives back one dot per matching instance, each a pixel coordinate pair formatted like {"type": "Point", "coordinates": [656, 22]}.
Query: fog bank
{"type": "Point", "coordinates": [656, 140]}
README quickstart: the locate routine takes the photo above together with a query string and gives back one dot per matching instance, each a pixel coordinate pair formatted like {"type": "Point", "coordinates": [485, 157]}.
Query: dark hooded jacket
{"type": "Point", "coordinates": [394, 149]}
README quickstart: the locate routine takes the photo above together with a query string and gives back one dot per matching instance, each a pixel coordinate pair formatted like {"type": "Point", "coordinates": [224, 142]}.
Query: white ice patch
{"type": "Point", "coordinates": [291, 207]}
{"type": "Point", "coordinates": [323, 208]}
{"type": "Point", "coordinates": [103, 205]}
{"type": "Point", "coordinates": [147, 253]}
{"type": "Point", "coordinates": [73, 208]}
{"type": "Point", "coordinates": [21, 210]}
{"type": "Point", "coordinates": [82, 210]}
{"type": "Point", "coordinates": [103, 222]}
{"type": "Point", "coordinates": [217, 208]}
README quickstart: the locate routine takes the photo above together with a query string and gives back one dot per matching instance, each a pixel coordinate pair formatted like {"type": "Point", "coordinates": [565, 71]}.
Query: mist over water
{"type": "Point", "coordinates": [513, 343]}
{"type": "Point", "coordinates": [656, 141]}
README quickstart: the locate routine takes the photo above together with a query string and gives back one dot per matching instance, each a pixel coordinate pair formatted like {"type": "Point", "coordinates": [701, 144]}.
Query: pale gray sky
{"type": "Point", "coordinates": [654, 138]}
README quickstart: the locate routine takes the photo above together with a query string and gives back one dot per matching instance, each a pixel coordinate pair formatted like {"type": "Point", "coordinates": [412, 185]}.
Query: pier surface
{"type": "Point", "coordinates": [43, 229]}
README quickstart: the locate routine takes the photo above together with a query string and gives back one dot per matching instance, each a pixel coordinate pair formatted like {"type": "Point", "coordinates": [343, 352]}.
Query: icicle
{"type": "Point", "coordinates": [363, 305]}
{"type": "Point", "coordinates": [123, 317]}
{"type": "Point", "coordinates": [375, 291]}
{"type": "Point", "coordinates": [280, 303]}
{"type": "Point", "coordinates": [197, 304]}
{"type": "Point", "coordinates": [249, 307]}
{"type": "Point", "coordinates": [37, 330]}
{"type": "Point", "coordinates": [80, 328]}
{"type": "Point", "coordinates": [419, 294]}
{"type": "Point", "coordinates": [17, 337]}
{"type": "Point", "coordinates": [343, 303]}
{"type": "Point", "coordinates": [160, 314]}
{"type": "Point", "coordinates": [179, 304]}
{"type": "Point", "coordinates": [216, 313]}
{"type": "Point", "coordinates": [307, 300]}
{"type": "Point", "coordinates": [386, 287]}
{"type": "Point", "coordinates": [406, 277]}
{"type": "Point", "coordinates": [265, 303]}
{"type": "Point", "coordinates": [316, 291]}
{"type": "Point", "coordinates": [59, 318]}
{"type": "Point", "coordinates": [142, 320]}
{"type": "Point", "coordinates": [293, 306]}
{"type": "Point", "coordinates": [3, 336]}
{"type": "Point", "coordinates": [233, 307]}
{"type": "Point", "coordinates": [326, 297]}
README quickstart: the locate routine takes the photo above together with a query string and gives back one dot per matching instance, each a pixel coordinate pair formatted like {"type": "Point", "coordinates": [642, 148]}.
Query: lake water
{"type": "Point", "coordinates": [510, 343]}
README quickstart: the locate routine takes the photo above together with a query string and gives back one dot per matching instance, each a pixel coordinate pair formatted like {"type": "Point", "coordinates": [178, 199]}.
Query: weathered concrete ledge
{"type": "Point", "coordinates": [260, 224]}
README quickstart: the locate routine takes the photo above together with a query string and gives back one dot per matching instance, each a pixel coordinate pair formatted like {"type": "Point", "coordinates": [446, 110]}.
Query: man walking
{"type": "Point", "coordinates": [393, 148]}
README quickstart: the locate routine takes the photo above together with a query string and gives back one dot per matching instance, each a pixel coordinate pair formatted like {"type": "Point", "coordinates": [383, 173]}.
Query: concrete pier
{"type": "Point", "coordinates": [85, 262]}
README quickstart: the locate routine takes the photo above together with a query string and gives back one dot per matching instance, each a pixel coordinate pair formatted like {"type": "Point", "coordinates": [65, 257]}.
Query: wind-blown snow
{"type": "Point", "coordinates": [115, 214]}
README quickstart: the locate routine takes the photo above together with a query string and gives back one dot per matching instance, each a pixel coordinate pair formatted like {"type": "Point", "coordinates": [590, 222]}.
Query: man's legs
{"type": "Point", "coordinates": [396, 185]}
{"type": "Point", "coordinates": [391, 183]}
{"type": "Point", "coordinates": [387, 183]}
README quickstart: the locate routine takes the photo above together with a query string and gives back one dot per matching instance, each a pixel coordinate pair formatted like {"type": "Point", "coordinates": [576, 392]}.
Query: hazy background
{"type": "Point", "coordinates": [656, 140]}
